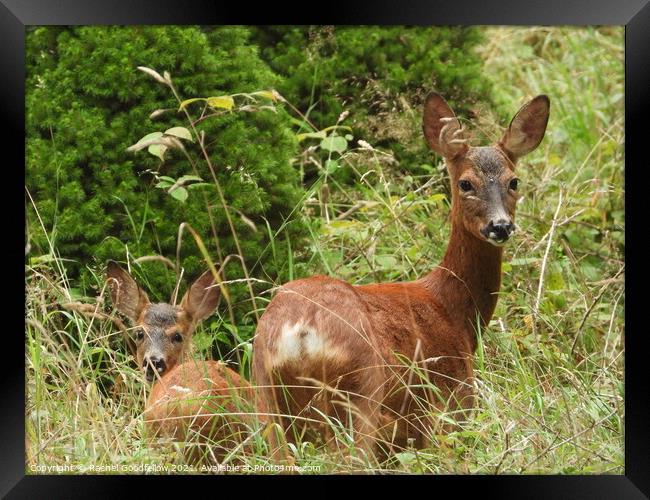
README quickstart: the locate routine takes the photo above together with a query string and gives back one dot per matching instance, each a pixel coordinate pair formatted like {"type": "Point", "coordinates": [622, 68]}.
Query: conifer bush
{"type": "Point", "coordinates": [87, 102]}
{"type": "Point", "coordinates": [380, 75]}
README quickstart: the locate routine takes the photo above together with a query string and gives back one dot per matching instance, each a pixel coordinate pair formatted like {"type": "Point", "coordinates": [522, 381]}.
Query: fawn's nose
{"type": "Point", "coordinates": [498, 232]}
{"type": "Point", "coordinates": [154, 365]}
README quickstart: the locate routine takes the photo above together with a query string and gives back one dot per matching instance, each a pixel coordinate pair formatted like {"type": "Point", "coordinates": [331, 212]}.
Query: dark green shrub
{"type": "Point", "coordinates": [87, 102]}
{"type": "Point", "coordinates": [379, 74]}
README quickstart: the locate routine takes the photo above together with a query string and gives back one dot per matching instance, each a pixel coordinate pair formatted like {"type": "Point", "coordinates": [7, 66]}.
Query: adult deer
{"type": "Point", "coordinates": [189, 398]}
{"type": "Point", "coordinates": [385, 355]}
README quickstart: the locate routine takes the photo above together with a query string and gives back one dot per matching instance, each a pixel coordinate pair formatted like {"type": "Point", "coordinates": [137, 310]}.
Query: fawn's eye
{"type": "Point", "coordinates": [514, 184]}
{"type": "Point", "coordinates": [139, 334]}
{"type": "Point", "coordinates": [177, 337]}
{"type": "Point", "coordinates": [465, 185]}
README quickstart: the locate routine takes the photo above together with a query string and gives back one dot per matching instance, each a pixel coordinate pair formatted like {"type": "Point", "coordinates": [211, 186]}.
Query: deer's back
{"type": "Point", "coordinates": [325, 321]}
{"type": "Point", "coordinates": [389, 343]}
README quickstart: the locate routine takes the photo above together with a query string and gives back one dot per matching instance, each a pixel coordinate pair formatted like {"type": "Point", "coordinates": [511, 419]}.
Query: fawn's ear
{"type": "Point", "coordinates": [441, 127]}
{"type": "Point", "coordinates": [126, 295]}
{"type": "Point", "coordinates": [527, 128]}
{"type": "Point", "coordinates": [202, 297]}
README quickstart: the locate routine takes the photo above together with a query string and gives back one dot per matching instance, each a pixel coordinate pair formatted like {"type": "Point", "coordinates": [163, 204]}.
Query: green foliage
{"type": "Point", "coordinates": [86, 103]}
{"type": "Point", "coordinates": [379, 75]}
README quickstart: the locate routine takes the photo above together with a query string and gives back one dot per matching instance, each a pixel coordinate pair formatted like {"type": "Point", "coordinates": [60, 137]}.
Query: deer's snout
{"type": "Point", "coordinates": [154, 366]}
{"type": "Point", "coordinates": [498, 232]}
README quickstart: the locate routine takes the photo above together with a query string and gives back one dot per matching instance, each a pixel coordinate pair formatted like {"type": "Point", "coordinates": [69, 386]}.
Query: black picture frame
{"type": "Point", "coordinates": [15, 15]}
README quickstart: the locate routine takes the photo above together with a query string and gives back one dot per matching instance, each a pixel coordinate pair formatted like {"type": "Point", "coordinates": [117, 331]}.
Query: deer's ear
{"type": "Point", "coordinates": [527, 128]}
{"type": "Point", "coordinates": [441, 127]}
{"type": "Point", "coordinates": [202, 297]}
{"type": "Point", "coordinates": [126, 295]}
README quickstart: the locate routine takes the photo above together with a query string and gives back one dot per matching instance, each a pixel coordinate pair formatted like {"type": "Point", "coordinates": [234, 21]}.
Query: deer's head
{"type": "Point", "coordinates": [161, 331]}
{"type": "Point", "coordinates": [483, 180]}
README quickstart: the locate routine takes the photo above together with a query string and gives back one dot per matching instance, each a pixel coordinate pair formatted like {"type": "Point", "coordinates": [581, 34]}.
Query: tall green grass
{"type": "Point", "coordinates": [550, 365]}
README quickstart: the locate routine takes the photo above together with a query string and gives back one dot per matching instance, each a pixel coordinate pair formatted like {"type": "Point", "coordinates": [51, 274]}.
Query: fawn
{"type": "Point", "coordinates": [324, 346]}
{"type": "Point", "coordinates": [188, 398]}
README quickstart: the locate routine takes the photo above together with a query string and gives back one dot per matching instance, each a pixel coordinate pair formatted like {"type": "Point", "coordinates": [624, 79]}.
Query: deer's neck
{"type": "Point", "coordinates": [467, 280]}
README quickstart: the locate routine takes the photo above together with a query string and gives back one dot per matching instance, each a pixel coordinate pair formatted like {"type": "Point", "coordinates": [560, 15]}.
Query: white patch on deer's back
{"type": "Point", "coordinates": [300, 342]}
{"type": "Point", "coordinates": [288, 346]}
{"type": "Point", "coordinates": [314, 343]}
{"type": "Point", "coordinates": [178, 388]}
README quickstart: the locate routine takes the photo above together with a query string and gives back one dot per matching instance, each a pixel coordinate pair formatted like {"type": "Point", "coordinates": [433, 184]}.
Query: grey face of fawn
{"type": "Point", "coordinates": [483, 178]}
{"type": "Point", "coordinates": [161, 331]}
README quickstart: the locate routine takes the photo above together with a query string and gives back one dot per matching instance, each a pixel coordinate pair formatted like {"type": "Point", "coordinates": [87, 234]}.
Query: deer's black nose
{"type": "Point", "coordinates": [154, 365]}
{"type": "Point", "coordinates": [498, 232]}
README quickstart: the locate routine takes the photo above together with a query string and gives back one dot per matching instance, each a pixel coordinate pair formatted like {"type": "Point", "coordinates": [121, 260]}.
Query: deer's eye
{"type": "Point", "coordinates": [465, 185]}
{"type": "Point", "coordinates": [514, 184]}
{"type": "Point", "coordinates": [177, 338]}
{"type": "Point", "coordinates": [139, 334]}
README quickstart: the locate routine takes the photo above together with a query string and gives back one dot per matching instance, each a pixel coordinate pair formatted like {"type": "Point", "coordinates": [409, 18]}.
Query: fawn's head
{"type": "Point", "coordinates": [483, 180]}
{"type": "Point", "coordinates": [162, 331]}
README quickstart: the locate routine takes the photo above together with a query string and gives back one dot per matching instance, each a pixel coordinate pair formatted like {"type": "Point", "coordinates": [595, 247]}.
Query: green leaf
{"type": "Point", "coordinates": [201, 341]}
{"type": "Point", "coordinates": [386, 261]}
{"type": "Point", "coordinates": [76, 293]}
{"type": "Point", "coordinates": [436, 198]}
{"type": "Point", "coordinates": [158, 150]}
{"type": "Point", "coordinates": [337, 127]}
{"type": "Point", "coordinates": [198, 184]}
{"type": "Point", "coordinates": [342, 228]}
{"type": "Point", "coordinates": [331, 166]}
{"type": "Point", "coordinates": [321, 134]}
{"type": "Point", "coordinates": [334, 143]}
{"type": "Point", "coordinates": [180, 193]}
{"type": "Point", "coordinates": [311, 135]}
{"type": "Point", "coordinates": [413, 253]}
{"type": "Point", "coordinates": [190, 101]}
{"type": "Point", "coordinates": [149, 137]}
{"type": "Point", "coordinates": [299, 123]}
{"type": "Point", "coordinates": [164, 184]}
{"type": "Point", "coordinates": [180, 132]}
{"type": "Point", "coordinates": [265, 93]}
{"type": "Point", "coordinates": [406, 458]}
{"type": "Point", "coordinates": [188, 178]}
{"type": "Point", "coordinates": [41, 259]}
{"type": "Point", "coordinates": [224, 102]}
